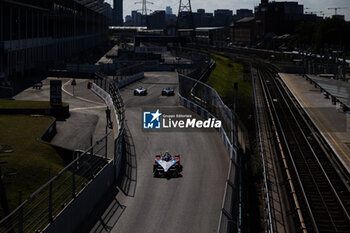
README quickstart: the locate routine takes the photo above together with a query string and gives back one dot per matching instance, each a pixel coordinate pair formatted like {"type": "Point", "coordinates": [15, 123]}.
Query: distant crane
{"type": "Point", "coordinates": [336, 9]}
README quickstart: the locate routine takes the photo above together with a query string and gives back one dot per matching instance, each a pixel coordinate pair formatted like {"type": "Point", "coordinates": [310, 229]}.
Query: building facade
{"type": "Point", "coordinates": [118, 13]}
{"type": "Point", "coordinates": [136, 18]}
{"type": "Point", "coordinates": [243, 31]}
{"type": "Point", "coordinates": [223, 17]}
{"type": "Point", "coordinates": [169, 10]}
{"type": "Point", "coordinates": [278, 18]}
{"type": "Point", "coordinates": [156, 20]}
{"type": "Point", "coordinates": [35, 33]}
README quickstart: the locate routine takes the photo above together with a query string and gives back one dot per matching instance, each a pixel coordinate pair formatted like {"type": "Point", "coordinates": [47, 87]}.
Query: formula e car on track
{"type": "Point", "coordinates": [167, 165]}
{"type": "Point", "coordinates": [140, 91]}
{"type": "Point", "coordinates": [168, 91]}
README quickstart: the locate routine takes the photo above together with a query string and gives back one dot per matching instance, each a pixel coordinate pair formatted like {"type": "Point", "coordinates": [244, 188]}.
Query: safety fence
{"type": "Point", "coordinates": [42, 207]}
{"type": "Point", "coordinates": [110, 85]}
{"type": "Point", "coordinates": [206, 102]}
{"type": "Point", "coordinates": [213, 107]}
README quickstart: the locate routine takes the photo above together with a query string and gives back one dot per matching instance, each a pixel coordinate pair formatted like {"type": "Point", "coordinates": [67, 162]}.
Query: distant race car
{"type": "Point", "coordinates": [140, 91]}
{"type": "Point", "coordinates": [168, 91]}
{"type": "Point", "coordinates": [167, 165]}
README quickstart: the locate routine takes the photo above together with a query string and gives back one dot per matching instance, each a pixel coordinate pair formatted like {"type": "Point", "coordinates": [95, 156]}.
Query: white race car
{"type": "Point", "coordinates": [167, 165]}
{"type": "Point", "coordinates": [168, 91]}
{"type": "Point", "coordinates": [140, 91]}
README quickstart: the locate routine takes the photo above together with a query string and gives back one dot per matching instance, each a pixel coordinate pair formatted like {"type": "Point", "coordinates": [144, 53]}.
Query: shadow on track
{"type": "Point", "coordinates": [106, 215]}
{"type": "Point", "coordinates": [128, 179]}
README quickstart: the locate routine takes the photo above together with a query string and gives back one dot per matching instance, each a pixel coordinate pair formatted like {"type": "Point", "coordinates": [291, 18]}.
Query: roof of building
{"type": "Point", "coordinates": [94, 5]}
{"type": "Point", "coordinates": [208, 28]}
{"type": "Point", "coordinates": [336, 88]}
{"type": "Point", "coordinates": [245, 20]}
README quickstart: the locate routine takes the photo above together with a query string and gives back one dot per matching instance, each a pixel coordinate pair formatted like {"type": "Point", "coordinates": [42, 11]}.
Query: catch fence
{"type": "Point", "coordinates": [205, 101]}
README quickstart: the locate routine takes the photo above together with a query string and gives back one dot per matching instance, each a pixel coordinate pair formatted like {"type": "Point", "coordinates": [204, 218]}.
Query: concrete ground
{"type": "Point", "coordinates": [87, 114]}
{"type": "Point", "coordinates": [331, 121]}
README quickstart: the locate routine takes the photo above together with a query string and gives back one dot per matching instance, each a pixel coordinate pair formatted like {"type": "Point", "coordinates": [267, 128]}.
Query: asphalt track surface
{"type": "Point", "coordinates": [190, 203]}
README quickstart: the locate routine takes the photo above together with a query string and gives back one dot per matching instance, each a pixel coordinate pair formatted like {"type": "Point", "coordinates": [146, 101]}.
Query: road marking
{"type": "Point", "coordinates": [81, 98]}
{"type": "Point", "coordinates": [315, 118]}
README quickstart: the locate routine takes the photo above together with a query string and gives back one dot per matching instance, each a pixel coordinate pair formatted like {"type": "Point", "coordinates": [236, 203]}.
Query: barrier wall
{"type": "Point", "coordinates": [130, 79]}
{"type": "Point", "coordinates": [79, 208]}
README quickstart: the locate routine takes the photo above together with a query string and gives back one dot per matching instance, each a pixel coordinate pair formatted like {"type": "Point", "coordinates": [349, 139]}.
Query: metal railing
{"type": "Point", "coordinates": [41, 208]}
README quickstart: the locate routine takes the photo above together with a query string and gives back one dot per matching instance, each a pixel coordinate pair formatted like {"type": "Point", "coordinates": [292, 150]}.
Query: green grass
{"type": "Point", "coordinates": [10, 104]}
{"type": "Point", "coordinates": [30, 159]}
{"type": "Point", "coordinates": [222, 79]}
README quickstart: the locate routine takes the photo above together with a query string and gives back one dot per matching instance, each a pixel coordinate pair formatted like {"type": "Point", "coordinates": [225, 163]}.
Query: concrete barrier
{"type": "Point", "coordinates": [130, 79]}
{"type": "Point", "coordinates": [83, 205]}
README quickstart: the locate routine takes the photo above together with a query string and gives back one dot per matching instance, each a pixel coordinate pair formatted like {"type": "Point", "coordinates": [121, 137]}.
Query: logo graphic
{"type": "Point", "coordinates": [151, 120]}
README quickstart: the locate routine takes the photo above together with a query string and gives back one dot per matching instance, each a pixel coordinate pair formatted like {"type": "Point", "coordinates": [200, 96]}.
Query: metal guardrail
{"type": "Point", "coordinates": [41, 208]}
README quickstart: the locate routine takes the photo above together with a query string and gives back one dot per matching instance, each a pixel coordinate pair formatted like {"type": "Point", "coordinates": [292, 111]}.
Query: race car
{"type": "Point", "coordinates": [140, 91]}
{"type": "Point", "coordinates": [168, 91]}
{"type": "Point", "coordinates": [167, 165]}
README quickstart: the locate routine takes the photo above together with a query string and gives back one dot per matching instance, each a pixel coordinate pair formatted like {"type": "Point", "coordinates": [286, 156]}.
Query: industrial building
{"type": "Point", "coordinates": [36, 33]}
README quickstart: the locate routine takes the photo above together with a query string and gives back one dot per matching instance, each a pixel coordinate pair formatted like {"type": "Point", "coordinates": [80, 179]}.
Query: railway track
{"type": "Point", "coordinates": [323, 197]}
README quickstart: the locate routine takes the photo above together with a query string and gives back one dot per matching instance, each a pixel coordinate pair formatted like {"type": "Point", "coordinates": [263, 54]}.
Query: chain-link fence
{"type": "Point", "coordinates": [41, 208]}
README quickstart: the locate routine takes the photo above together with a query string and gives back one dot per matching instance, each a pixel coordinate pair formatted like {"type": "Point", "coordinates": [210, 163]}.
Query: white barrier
{"type": "Point", "coordinates": [109, 102]}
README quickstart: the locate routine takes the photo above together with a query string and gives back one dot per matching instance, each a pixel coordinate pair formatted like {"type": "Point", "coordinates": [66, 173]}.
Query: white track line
{"type": "Point", "coordinates": [81, 98]}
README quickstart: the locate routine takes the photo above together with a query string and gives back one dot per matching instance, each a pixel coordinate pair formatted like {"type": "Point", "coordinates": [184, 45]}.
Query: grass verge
{"type": "Point", "coordinates": [222, 79]}
{"type": "Point", "coordinates": [30, 160]}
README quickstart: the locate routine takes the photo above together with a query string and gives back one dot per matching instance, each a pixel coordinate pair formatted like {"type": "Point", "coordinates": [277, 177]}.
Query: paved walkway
{"type": "Point", "coordinates": [331, 121]}
{"type": "Point", "coordinates": [87, 114]}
